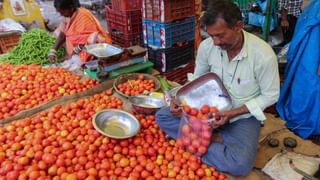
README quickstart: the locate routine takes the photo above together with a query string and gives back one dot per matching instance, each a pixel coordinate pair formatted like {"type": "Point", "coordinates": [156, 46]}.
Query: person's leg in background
{"type": "Point", "coordinates": [288, 32]}
{"type": "Point", "coordinates": [292, 25]}
{"type": "Point", "coordinates": [237, 152]}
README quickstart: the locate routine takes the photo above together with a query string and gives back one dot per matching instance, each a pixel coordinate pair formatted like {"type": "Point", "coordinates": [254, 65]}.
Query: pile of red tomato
{"type": "Point", "coordinates": [61, 143]}
{"type": "Point", "coordinates": [26, 86]}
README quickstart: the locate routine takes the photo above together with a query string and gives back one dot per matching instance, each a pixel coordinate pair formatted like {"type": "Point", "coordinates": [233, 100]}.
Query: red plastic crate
{"type": "Point", "coordinates": [125, 40]}
{"type": "Point", "coordinates": [128, 22]}
{"type": "Point", "coordinates": [126, 5]}
{"type": "Point", "coordinates": [8, 40]}
{"type": "Point", "coordinates": [167, 10]}
{"type": "Point", "coordinates": [179, 75]}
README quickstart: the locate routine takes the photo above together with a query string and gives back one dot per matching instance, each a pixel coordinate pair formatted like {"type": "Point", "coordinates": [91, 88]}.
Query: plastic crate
{"type": "Point", "coordinates": [128, 22]}
{"type": "Point", "coordinates": [125, 40]}
{"type": "Point", "coordinates": [126, 5]}
{"type": "Point", "coordinates": [165, 35]}
{"type": "Point", "coordinates": [8, 40]}
{"type": "Point", "coordinates": [167, 10]}
{"type": "Point", "coordinates": [179, 75]}
{"type": "Point", "coordinates": [168, 59]}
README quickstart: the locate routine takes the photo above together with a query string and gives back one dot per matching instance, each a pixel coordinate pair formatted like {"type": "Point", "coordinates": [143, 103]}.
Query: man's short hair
{"type": "Point", "coordinates": [224, 9]}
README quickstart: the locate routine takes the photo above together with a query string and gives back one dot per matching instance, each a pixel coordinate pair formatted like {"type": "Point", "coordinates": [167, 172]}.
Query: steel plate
{"type": "Point", "coordinates": [103, 50]}
{"type": "Point", "coordinates": [207, 89]}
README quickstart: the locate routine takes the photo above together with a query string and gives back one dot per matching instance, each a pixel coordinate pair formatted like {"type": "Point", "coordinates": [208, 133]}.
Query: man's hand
{"type": "Point", "coordinates": [224, 117]}
{"type": "Point", "coordinates": [175, 109]}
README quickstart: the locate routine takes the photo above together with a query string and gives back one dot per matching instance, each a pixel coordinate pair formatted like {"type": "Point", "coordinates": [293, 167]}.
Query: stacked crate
{"type": "Point", "coordinates": [124, 19]}
{"type": "Point", "coordinates": [198, 37]}
{"type": "Point", "coordinates": [169, 32]}
{"type": "Point", "coordinates": [8, 40]}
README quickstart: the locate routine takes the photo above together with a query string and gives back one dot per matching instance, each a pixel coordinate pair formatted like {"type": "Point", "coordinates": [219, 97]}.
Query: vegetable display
{"type": "Point", "coordinates": [33, 48]}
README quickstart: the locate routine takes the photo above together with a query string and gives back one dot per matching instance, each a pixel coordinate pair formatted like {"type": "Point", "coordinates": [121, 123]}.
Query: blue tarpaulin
{"type": "Point", "coordinates": [299, 101]}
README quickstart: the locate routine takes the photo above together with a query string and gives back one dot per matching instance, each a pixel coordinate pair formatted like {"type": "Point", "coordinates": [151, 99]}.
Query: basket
{"type": "Point", "coordinates": [166, 35]}
{"type": "Point", "coordinates": [8, 40]}
{"type": "Point", "coordinates": [167, 10]}
{"type": "Point", "coordinates": [127, 22]}
{"type": "Point", "coordinates": [125, 77]}
{"type": "Point", "coordinates": [126, 5]}
{"type": "Point", "coordinates": [170, 58]}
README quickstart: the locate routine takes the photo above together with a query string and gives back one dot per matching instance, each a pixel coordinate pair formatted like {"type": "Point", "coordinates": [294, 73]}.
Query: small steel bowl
{"type": "Point", "coordinates": [146, 104]}
{"type": "Point", "coordinates": [116, 123]}
{"type": "Point", "coordinates": [125, 77]}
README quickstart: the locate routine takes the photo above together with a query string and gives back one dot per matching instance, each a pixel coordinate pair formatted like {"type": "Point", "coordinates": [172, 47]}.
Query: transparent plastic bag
{"type": "Point", "coordinates": [194, 134]}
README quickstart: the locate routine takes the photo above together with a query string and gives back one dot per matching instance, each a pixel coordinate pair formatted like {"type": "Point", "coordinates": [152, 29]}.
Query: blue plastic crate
{"type": "Point", "coordinates": [165, 35]}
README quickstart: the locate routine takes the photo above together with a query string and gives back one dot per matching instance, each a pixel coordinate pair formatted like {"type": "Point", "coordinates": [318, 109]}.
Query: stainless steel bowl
{"type": "Point", "coordinates": [146, 104]}
{"type": "Point", "coordinates": [116, 123]}
{"type": "Point", "coordinates": [125, 77]}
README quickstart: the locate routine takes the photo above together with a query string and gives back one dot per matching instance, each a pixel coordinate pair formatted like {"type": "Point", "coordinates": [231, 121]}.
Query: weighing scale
{"type": "Point", "coordinates": [112, 61]}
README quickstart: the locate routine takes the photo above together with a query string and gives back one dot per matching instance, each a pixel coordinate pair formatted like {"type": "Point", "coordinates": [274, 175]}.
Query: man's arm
{"type": "Point", "coordinates": [267, 75]}
{"type": "Point", "coordinates": [227, 115]}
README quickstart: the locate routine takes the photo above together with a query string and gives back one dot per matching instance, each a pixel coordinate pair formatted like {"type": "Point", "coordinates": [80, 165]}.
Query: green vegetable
{"type": "Point", "coordinates": [165, 86]}
{"type": "Point", "coordinates": [33, 48]}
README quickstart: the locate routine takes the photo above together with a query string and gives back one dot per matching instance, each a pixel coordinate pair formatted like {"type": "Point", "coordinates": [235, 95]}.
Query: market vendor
{"type": "Point", "coordinates": [82, 29]}
{"type": "Point", "coordinates": [248, 69]}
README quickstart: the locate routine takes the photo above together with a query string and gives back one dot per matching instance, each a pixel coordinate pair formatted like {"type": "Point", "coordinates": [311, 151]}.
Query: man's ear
{"type": "Point", "coordinates": [239, 25]}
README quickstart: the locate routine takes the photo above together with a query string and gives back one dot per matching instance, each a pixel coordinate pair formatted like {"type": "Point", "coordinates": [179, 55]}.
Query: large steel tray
{"type": "Point", "coordinates": [207, 89]}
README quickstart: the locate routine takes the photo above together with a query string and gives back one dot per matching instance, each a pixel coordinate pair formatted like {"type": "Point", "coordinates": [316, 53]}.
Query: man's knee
{"type": "Point", "coordinates": [225, 161]}
{"type": "Point", "coordinates": [240, 168]}
{"type": "Point", "coordinates": [240, 165]}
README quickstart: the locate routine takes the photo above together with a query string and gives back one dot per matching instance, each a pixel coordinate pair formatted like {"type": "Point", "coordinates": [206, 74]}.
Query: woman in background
{"type": "Point", "coordinates": [83, 28]}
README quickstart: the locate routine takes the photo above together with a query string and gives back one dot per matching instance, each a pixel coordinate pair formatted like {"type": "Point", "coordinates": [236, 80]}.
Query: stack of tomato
{"type": "Point", "coordinates": [26, 86]}
{"type": "Point", "coordinates": [61, 143]}
{"type": "Point", "coordinates": [136, 86]}
{"type": "Point", "coordinates": [195, 129]}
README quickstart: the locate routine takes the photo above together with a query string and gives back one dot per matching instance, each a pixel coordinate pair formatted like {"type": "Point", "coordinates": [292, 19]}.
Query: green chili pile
{"type": "Point", "coordinates": [33, 48]}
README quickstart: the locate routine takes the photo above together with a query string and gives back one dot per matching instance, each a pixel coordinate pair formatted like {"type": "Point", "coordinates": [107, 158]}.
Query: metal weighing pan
{"type": "Point", "coordinates": [104, 51]}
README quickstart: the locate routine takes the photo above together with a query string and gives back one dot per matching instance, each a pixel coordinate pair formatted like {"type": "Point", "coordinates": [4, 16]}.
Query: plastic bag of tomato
{"type": "Point", "coordinates": [195, 129]}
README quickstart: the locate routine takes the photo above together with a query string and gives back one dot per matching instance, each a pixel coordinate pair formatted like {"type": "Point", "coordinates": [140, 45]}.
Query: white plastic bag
{"type": "Point", "coordinates": [11, 25]}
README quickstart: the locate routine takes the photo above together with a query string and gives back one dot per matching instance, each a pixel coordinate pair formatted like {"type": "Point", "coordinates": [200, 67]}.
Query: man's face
{"type": "Point", "coordinates": [223, 35]}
